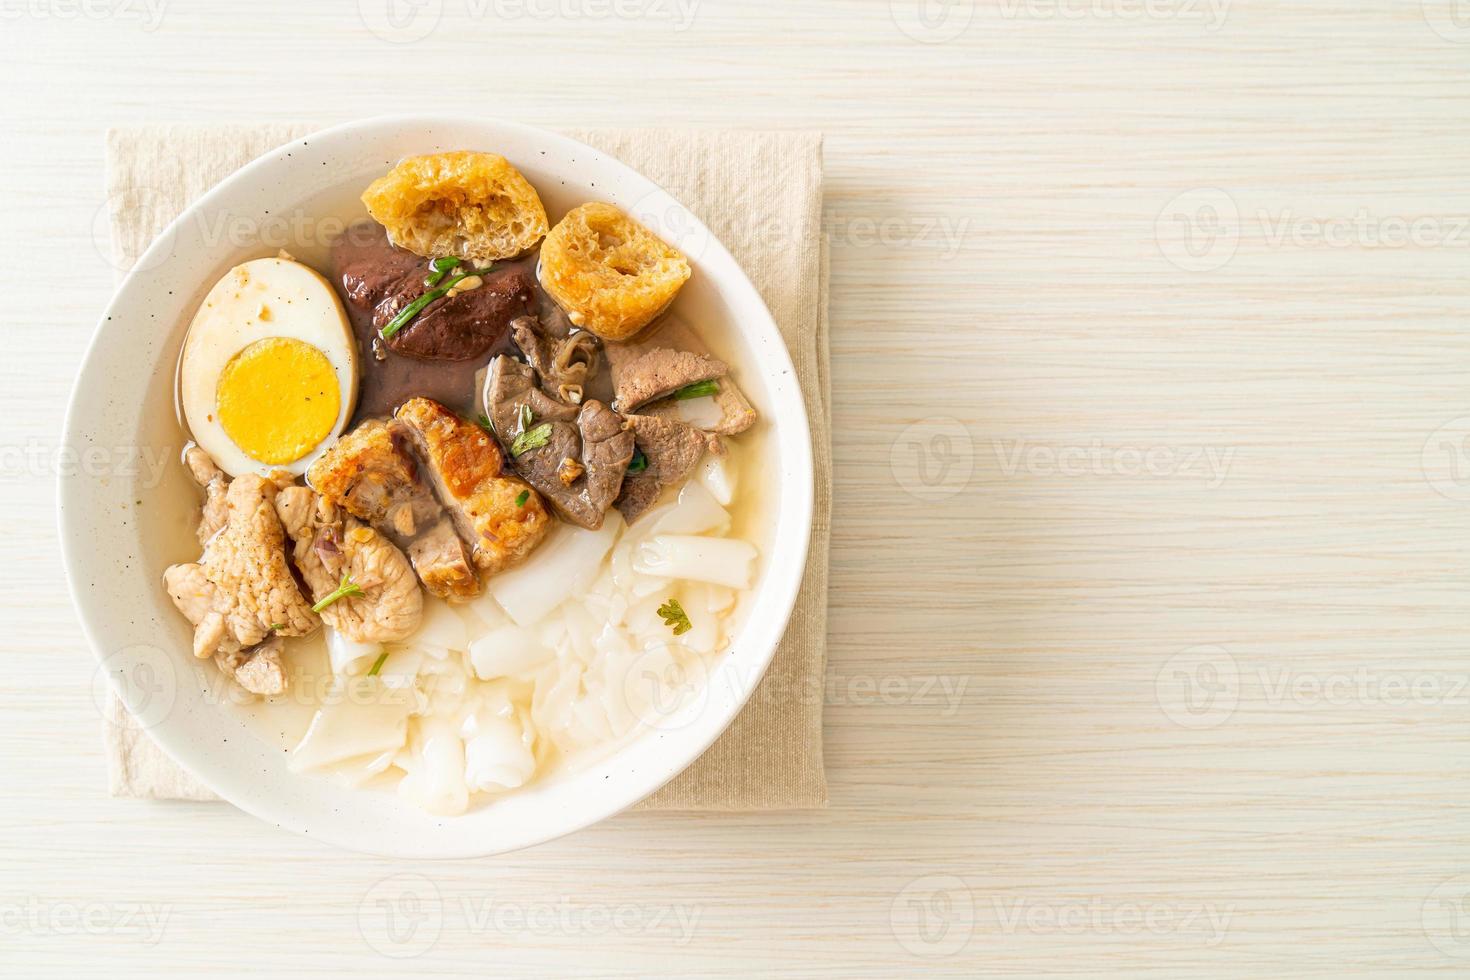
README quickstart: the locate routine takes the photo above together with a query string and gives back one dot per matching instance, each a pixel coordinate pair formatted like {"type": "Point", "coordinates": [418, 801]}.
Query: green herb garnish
{"type": "Point", "coordinates": [697, 390]}
{"type": "Point", "coordinates": [675, 617]}
{"type": "Point", "coordinates": [377, 664]}
{"type": "Point", "coordinates": [485, 423]}
{"type": "Point", "coordinates": [525, 417]}
{"type": "Point", "coordinates": [638, 463]}
{"type": "Point", "coordinates": [277, 626]}
{"type": "Point", "coordinates": [345, 589]}
{"type": "Point", "coordinates": [413, 309]}
{"type": "Point", "coordinates": [522, 497]}
{"type": "Point", "coordinates": [439, 268]}
{"type": "Point", "coordinates": [531, 439]}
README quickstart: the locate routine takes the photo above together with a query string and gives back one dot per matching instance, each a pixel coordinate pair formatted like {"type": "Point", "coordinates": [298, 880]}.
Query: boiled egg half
{"type": "Point", "coordinates": [268, 377]}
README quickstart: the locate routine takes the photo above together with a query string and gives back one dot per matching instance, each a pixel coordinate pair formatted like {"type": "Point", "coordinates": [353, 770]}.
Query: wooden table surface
{"type": "Point", "coordinates": [1149, 580]}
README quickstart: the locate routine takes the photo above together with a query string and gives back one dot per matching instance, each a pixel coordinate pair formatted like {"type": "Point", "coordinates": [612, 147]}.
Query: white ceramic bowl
{"type": "Point", "coordinates": [121, 502]}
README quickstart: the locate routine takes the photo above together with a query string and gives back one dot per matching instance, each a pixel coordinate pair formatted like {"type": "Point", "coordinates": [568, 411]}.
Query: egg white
{"type": "Point", "coordinates": [254, 301]}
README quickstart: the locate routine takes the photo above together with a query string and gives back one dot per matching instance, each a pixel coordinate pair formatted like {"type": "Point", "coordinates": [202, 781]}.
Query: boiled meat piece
{"type": "Point", "coordinates": [333, 549]}
{"type": "Point", "coordinates": [258, 670]}
{"type": "Point", "coordinates": [241, 590]}
{"type": "Point", "coordinates": [672, 449]}
{"type": "Point", "coordinates": [579, 464]}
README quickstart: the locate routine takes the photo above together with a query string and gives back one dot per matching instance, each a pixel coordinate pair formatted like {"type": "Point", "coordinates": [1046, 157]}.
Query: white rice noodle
{"type": "Point", "coordinates": [551, 705]}
{"type": "Point", "coordinates": [357, 771]}
{"type": "Point", "coordinates": [497, 749]}
{"type": "Point", "coordinates": [400, 668]}
{"type": "Point", "coordinates": [510, 651]}
{"type": "Point", "coordinates": [443, 684]}
{"type": "Point", "coordinates": [442, 629]}
{"type": "Point", "coordinates": [703, 637]}
{"type": "Point", "coordinates": [616, 655]}
{"type": "Point", "coordinates": [565, 564]}
{"type": "Point", "coordinates": [643, 618]}
{"type": "Point", "coordinates": [647, 585]}
{"type": "Point", "coordinates": [481, 614]}
{"type": "Point", "coordinates": [349, 656]}
{"type": "Point", "coordinates": [435, 779]}
{"type": "Point", "coordinates": [656, 683]}
{"type": "Point", "coordinates": [719, 599]}
{"type": "Point", "coordinates": [581, 633]}
{"type": "Point", "coordinates": [723, 561]}
{"type": "Point", "coordinates": [362, 716]}
{"type": "Point", "coordinates": [697, 512]}
{"type": "Point", "coordinates": [717, 475]}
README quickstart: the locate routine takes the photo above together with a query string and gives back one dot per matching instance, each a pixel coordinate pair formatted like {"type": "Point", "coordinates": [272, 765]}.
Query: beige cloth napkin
{"type": "Point", "coordinates": [761, 194]}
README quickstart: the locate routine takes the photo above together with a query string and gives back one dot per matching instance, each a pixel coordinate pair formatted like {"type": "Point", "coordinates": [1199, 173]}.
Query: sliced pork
{"type": "Point", "coordinates": [371, 474]}
{"type": "Point", "coordinates": [497, 513]}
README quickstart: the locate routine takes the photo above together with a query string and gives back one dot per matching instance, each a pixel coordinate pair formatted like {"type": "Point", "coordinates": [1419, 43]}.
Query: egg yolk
{"type": "Point", "coordinates": [278, 399]}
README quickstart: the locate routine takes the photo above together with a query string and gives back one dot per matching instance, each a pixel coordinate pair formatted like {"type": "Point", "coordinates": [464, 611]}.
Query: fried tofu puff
{"type": "Point", "coordinates": [468, 205]}
{"type": "Point", "coordinates": [612, 275]}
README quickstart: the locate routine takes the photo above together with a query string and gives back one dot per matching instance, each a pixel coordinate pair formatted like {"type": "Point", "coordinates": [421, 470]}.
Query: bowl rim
{"type": "Point", "coordinates": [793, 502]}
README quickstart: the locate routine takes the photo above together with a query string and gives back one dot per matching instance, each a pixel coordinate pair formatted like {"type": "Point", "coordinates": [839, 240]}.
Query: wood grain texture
{"type": "Point", "coordinates": [1150, 407]}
